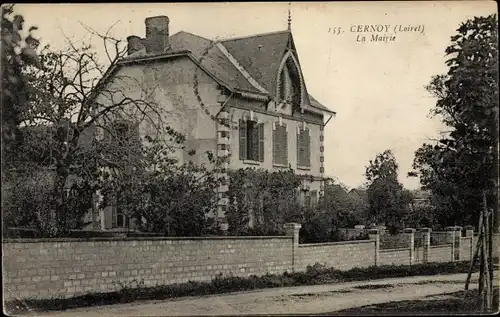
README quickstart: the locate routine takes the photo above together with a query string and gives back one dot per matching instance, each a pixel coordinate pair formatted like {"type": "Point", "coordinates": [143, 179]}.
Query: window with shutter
{"type": "Point", "coordinates": [304, 148]}
{"type": "Point", "coordinates": [285, 145]}
{"type": "Point", "coordinates": [135, 136]}
{"type": "Point", "coordinates": [307, 202]}
{"type": "Point", "coordinates": [314, 198]}
{"type": "Point", "coordinates": [113, 213]}
{"type": "Point", "coordinates": [106, 135]}
{"type": "Point", "coordinates": [261, 142]}
{"type": "Point", "coordinates": [243, 140]}
{"type": "Point", "coordinates": [251, 141]}
{"type": "Point", "coordinates": [253, 144]}
{"type": "Point", "coordinates": [280, 145]}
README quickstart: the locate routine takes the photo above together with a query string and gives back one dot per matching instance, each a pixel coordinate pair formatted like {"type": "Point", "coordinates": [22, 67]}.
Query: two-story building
{"type": "Point", "coordinates": [243, 97]}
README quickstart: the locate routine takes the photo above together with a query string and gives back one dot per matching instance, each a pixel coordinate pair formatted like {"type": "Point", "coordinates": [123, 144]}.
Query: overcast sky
{"type": "Point", "coordinates": [376, 88]}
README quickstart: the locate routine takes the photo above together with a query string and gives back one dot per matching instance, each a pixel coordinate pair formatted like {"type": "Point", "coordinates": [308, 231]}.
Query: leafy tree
{"type": "Point", "coordinates": [389, 201]}
{"type": "Point", "coordinates": [16, 53]}
{"type": "Point", "coordinates": [346, 210]}
{"type": "Point", "coordinates": [265, 199]}
{"type": "Point", "coordinates": [462, 164]}
{"type": "Point", "coordinates": [163, 196]}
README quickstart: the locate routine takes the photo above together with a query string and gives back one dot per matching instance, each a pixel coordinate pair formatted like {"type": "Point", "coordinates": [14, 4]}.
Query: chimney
{"type": "Point", "coordinates": [157, 34]}
{"type": "Point", "coordinates": [134, 44]}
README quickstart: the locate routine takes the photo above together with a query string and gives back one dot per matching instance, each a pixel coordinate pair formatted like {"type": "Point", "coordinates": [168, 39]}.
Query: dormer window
{"type": "Point", "coordinates": [289, 83]}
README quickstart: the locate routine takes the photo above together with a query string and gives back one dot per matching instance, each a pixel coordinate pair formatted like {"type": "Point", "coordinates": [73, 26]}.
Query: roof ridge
{"type": "Point", "coordinates": [201, 37]}
{"type": "Point", "coordinates": [250, 36]}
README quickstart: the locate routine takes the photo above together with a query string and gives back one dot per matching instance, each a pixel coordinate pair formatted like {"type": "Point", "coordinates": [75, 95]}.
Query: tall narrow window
{"type": "Point", "coordinates": [121, 219]}
{"type": "Point", "coordinates": [290, 84]}
{"type": "Point", "coordinates": [251, 140]}
{"type": "Point", "coordinates": [314, 198]}
{"type": "Point", "coordinates": [125, 133]}
{"type": "Point", "coordinates": [303, 148]}
{"type": "Point", "coordinates": [307, 202]}
{"type": "Point", "coordinates": [280, 145]}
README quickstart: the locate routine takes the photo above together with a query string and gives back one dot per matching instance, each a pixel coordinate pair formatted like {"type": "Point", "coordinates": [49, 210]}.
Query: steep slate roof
{"type": "Point", "coordinates": [360, 193]}
{"type": "Point", "coordinates": [214, 60]}
{"type": "Point", "coordinates": [260, 56]}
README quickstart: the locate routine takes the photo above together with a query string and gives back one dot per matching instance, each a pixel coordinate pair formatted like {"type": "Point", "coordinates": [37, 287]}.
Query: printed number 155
{"type": "Point", "coordinates": [334, 30]}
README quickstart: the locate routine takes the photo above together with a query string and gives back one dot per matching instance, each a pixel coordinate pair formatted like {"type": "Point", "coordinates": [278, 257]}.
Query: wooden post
{"type": "Point", "coordinates": [473, 260]}
{"type": "Point", "coordinates": [476, 253]}
{"type": "Point", "coordinates": [486, 261]}
{"type": "Point", "coordinates": [486, 273]}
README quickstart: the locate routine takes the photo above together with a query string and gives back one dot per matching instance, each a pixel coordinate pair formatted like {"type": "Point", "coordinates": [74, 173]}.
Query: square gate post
{"type": "Point", "coordinates": [374, 234]}
{"type": "Point", "coordinates": [292, 230]}
{"type": "Point", "coordinates": [411, 237]}
{"type": "Point", "coordinates": [426, 243]}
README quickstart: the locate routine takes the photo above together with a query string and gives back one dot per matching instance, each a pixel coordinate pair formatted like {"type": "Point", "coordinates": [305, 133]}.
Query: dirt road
{"type": "Point", "coordinates": [302, 299]}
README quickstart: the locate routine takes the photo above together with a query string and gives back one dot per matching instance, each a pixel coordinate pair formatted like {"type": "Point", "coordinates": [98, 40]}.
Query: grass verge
{"type": "Point", "coordinates": [455, 303]}
{"type": "Point", "coordinates": [314, 275]}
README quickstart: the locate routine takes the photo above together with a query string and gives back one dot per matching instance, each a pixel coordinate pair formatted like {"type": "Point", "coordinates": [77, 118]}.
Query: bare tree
{"type": "Point", "coordinates": [87, 106]}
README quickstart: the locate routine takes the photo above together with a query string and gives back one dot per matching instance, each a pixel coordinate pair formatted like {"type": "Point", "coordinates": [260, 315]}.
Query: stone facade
{"type": "Point", "coordinates": [214, 93]}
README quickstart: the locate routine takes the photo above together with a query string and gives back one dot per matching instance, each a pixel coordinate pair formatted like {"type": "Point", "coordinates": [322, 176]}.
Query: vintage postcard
{"type": "Point", "coordinates": [183, 159]}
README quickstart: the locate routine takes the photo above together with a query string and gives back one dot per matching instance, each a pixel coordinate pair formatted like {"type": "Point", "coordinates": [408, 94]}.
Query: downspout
{"type": "Point", "coordinates": [224, 104]}
{"type": "Point", "coordinates": [329, 119]}
{"type": "Point", "coordinates": [322, 157]}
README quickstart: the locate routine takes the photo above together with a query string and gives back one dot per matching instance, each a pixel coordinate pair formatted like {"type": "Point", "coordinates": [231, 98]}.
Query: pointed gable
{"type": "Point", "coordinates": [260, 55]}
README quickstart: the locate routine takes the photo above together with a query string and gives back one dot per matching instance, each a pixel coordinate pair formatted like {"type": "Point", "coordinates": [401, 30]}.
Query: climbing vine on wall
{"type": "Point", "coordinates": [260, 202]}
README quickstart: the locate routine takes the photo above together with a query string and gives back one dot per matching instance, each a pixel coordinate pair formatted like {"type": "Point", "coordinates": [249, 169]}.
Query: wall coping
{"type": "Point", "coordinates": [440, 246]}
{"type": "Point", "coordinates": [335, 243]}
{"type": "Point", "coordinates": [97, 239]}
{"type": "Point", "coordinates": [392, 250]}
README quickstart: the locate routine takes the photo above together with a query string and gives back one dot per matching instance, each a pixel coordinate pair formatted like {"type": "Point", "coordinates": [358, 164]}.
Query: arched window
{"type": "Point", "coordinates": [289, 84]}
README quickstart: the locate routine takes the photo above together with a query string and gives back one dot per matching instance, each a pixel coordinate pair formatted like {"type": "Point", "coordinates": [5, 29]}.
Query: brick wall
{"type": "Point", "coordinates": [45, 268]}
{"type": "Point", "coordinates": [395, 257]}
{"type": "Point", "coordinates": [398, 241]}
{"type": "Point", "coordinates": [467, 245]}
{"type": "Point", "coordinates": [440, 253]}
{"type": "Point", "coordinates": [68, 268]}
{"type": "Point", "coordinates": [440, 237]}
{"type": "Point", "coordinates": [340, 255]}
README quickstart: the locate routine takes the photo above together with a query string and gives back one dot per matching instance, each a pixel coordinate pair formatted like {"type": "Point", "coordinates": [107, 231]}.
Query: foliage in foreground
{"type": "Point", "coordinates": [314, 275]}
